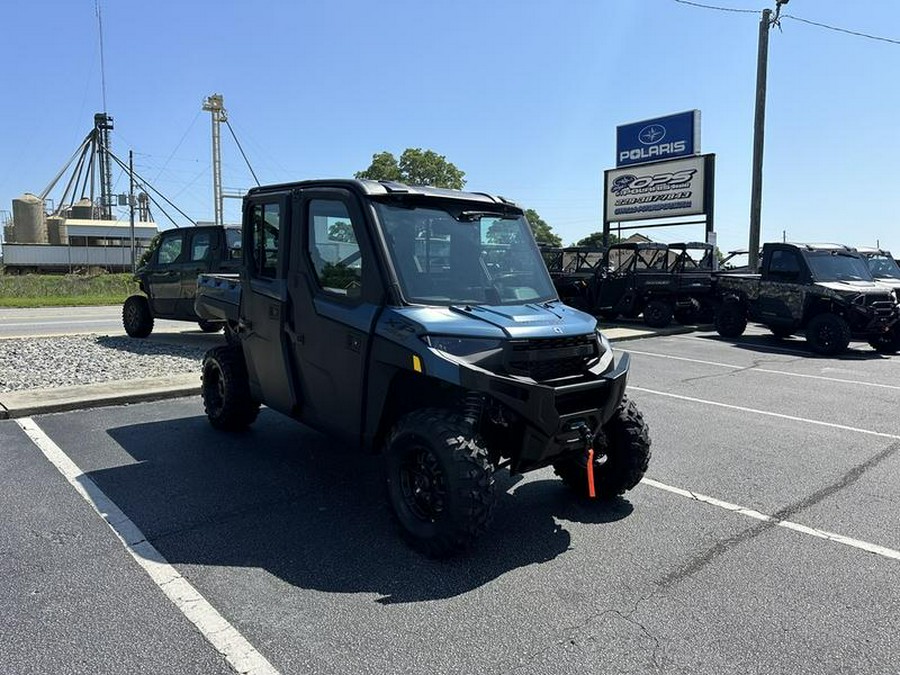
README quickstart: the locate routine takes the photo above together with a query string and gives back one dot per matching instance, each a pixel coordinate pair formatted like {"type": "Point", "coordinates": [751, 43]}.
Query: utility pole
{"type": "Point", "coordinates": [215, 105]}
{"type": "Point", "coordinates": [131, 203]}
{"type": "Point", "coordinates": [759, 128]}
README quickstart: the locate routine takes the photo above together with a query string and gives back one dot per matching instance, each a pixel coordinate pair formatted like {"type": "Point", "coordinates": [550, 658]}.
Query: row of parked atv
{"type": "Point", "coordinates": [662, 282]}
{"type": "Point", "coordinates": [830, 293]}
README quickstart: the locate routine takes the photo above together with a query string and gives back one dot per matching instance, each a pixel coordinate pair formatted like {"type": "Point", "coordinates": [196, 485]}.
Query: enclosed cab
{"type": "Point", "coordinates": [883, 266]}
{"type": "Point", "coordinates": [167, 277]}
{"type": "Point", "coordinates": [823, 290]}
{"type": "Point", "coordinates": [423, 324]}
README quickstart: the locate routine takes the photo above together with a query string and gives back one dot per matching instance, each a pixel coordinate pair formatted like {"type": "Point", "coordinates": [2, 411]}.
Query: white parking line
{"type": "Point", "coordinates": [225, 638]}
{"type": "Point", "coordinates": [766, 413]}
{"type": "Point", "coordinates": [754, 369]}
{"type": "Point", "coordinates": [797, 527]}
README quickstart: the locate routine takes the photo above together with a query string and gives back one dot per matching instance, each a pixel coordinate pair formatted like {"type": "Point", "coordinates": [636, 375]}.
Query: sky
{"type": "Point", "coordinates": [523, 96]}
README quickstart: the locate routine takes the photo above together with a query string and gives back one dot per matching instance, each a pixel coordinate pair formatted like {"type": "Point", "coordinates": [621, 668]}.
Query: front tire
{"type": "Point", "coordinates": [137, 319]}
{"type": "Point", "coordinates": [658, 314]}
{"type": "Point", "coordinates": [226, 390]}
{"type": "Point", "coordinates": [440, 481]}
{"type": "Point", "coordinates": [828, 334]}
{"type": "Point", "coordinates": [621, 456]}
{"type": "Point", "coordinates": [731, 320]}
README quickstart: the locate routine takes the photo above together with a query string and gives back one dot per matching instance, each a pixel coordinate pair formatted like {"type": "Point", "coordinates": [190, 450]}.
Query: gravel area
{"type": "Point", "coordinates": [42, 363]}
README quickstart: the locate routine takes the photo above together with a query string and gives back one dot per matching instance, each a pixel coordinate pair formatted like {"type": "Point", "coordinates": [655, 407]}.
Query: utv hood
{"type": "Point", "coordinates": [550, 319]}
{"type": "Point", "coordinates": [851, 286]}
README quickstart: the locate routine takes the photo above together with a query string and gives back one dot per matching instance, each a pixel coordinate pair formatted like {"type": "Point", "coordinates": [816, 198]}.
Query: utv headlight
{"type": "Point", "coordinates": [459, 346]}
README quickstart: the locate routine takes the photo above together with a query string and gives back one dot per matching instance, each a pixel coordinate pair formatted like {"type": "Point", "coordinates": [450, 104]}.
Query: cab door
{"type": "Point", "coordinates": [264, 298]}
{"type": "Point", "coordinates": [203, 242]}
{"type": "Point", "coordinates": [164, 275]}
{"type": "Point", "coordinates": [335, 291]}
{"type": "Point", "coordinates": [781, 289]}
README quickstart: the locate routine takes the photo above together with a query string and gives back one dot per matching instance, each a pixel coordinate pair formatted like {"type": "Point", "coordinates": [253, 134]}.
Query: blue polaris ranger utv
{"type": "Point", "coordinates": [420, 323]}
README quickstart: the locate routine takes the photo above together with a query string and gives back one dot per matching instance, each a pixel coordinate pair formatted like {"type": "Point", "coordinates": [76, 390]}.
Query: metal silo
{"type": "Point", "coordinates": [56, 230]}
{"type": "Point", "coordinates": [28, 215]}
{"type": "Point", "coordinates": [83, 209]}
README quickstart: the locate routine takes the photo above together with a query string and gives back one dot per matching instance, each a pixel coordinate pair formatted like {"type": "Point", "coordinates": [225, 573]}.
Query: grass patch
{"type": "Point", "coordinates": [55, 290]}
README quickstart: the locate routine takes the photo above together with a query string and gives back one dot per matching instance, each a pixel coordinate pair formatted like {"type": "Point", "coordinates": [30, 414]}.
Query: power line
{"type": "Point", "coordinates": [839, 30]}
{"type": "Point", "coordinates": [243, 154]}
{"type": "Point", "coordinates": [720, 9]}
{"type": "Point", "coordinates": [791, 16]}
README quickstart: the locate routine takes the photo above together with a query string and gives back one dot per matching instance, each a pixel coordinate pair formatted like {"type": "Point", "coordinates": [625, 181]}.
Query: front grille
{"type": "Point", "coordinates": [552, 358]}
{"type": "Point", "coordinates": [881, 306]}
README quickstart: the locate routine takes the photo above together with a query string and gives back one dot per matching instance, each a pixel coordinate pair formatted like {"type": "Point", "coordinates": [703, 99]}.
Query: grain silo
{"type": "Point", "coordinates": [29, 219]}
{"type": "Point", "coordinates": [56, 230]}
{"type": "Point", "coordinates": [83, 209]}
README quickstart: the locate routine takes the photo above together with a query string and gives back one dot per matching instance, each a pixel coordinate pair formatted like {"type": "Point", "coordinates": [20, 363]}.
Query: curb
{"type": "Point", "coordinates": [30, 402]}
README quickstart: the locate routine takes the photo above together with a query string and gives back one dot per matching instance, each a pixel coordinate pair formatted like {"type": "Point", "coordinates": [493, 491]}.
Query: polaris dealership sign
{"type": "Point", "coordinates": [659, 190]}
{"type": "Point", "coordinates": [657, 139]}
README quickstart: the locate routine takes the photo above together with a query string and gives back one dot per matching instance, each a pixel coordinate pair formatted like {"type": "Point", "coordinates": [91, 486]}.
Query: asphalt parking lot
{"type": "Point", "coordinates": [765, 540]}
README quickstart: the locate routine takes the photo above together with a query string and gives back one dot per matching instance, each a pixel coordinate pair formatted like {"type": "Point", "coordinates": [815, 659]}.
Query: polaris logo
{"type": "Point", "coordinates": [657, 151]}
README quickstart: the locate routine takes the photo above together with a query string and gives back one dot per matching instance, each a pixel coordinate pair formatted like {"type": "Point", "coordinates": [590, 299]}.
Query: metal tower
{"type": "Point", "coordinates": [215, 105]}
{"type": "Point", "coordinates": [103, 124]}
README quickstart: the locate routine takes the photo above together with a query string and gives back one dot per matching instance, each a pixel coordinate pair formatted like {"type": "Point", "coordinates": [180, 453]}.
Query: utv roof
{"type": "Point", "coordinates": [823, 247]}
{"type": "Point", "coordinates": [869, 250]}
{"type": "Point", "coordinates": [387, 188]}
{"type": "Point", "coordinates": [692, 244]}
{"type": "Point", "coordinates": [650, 245]}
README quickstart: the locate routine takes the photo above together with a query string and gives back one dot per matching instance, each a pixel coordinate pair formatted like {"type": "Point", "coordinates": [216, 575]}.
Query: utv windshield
{"type": "Point", "coordinates": [883, 267]}
{"type": "Point", "coordinates": [838, 266]}
{"type": "Point", "coordinates": [457, 255]}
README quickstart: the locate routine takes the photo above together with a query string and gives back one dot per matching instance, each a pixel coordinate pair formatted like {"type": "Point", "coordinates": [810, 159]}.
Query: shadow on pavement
{"type": "Point", "coordinates": [288, 500]}
{"type": "Point", "coordinates": [798, 345]}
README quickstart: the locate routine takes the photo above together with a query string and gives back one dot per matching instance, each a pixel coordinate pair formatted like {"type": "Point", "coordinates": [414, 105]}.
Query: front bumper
{"type": "Point", "coordinates": [552, 415]}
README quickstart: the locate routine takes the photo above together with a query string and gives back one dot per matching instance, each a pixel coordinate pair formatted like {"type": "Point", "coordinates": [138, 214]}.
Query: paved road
{"type": "Point", "coordinates": [43, 321]}
{"type": "Point", "coordinates": [289, 538]}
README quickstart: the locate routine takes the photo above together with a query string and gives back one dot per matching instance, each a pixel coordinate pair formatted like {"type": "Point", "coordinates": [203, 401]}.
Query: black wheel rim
{"type": "Point", "coordinates": [827, 336]}
{"type": "Point", "coordinates": [422, 484]}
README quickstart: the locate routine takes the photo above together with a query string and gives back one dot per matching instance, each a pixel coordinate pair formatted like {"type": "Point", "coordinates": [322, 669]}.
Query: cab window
{"type": "Point", "coordinates": [266, 223]}
{"type": "Point", "coordinates": [333, 249]}
{"type": "Point", "coordinates": [200, 246]}
{"type": "Point", "coordinates": [170, 249]}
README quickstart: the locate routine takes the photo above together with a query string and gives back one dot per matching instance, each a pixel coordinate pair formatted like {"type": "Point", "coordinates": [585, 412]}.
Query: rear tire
{"type": "Point", "coordinates": [226, 390]}
{"type": "Point", "coordinates": [828, 334]}
{"type": "Point", "coordinates": [440, 481]}
{"type": "Point", "coordinates": [621, 456]}
{"type": "Point", "coordinates": [137, 319]}
{"type": "Point", "coordinates": [658, 313]}
{"type": "Point", "coordinates": [731, 320]}
{"type": "Point", "coordinates": [210, 326]}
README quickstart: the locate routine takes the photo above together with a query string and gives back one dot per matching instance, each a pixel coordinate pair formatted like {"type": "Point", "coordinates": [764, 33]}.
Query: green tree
{"type": "Point", "coordinates": [595, 239]}
{"type": "Point", "coordinates": [543, 233]}
{"type": "Point", "coordinates": [383, 167]}
{"type": "Point", "coordinates": [416, 167]}
{"type": "Point", "coordinates": [342, 231]}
